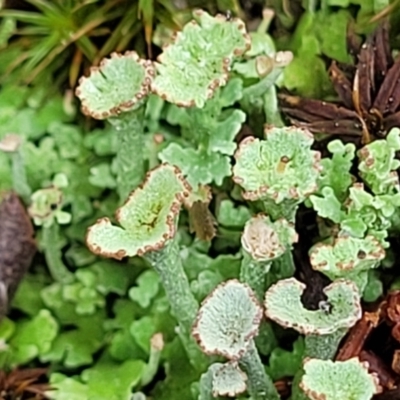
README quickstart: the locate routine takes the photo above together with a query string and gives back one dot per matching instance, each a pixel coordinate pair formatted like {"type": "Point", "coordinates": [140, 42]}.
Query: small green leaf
{"type": "Point", "coordinates": [198, 166]}
{"type": "Point", "coordinates": [7, 329]}
{"type": "Point", "coordinates": [27, 298]}
{"type": "Point", "coordinates": [229, 215]}
{"type": "Point", "coordinates": [336, 170]}
{"type": "Point", "coordinates": [374, 288]}
{"type": "Point", "coordinates": [68, 139]}
{"type": "Point", "coordinates": [142, 331]}
{"type": "Point", "coordinates": [64, 388]}
{"type": "Point", "coordinates": [33, 338]}
{"type": "Point", "coordinates": [113, 381]}
{"type": "Point", "coordinates": [285, 363]}
{"type": "Point", "coordinates": [331, 29]}
{"type": "Point", "coordinates": [111, 277]}
{"type": "Point", "coordinates": [148, 287]}
{"type": "Point", "coordinates": [101, 176]}
{"type": "Point", "coordinates": [75, 347]}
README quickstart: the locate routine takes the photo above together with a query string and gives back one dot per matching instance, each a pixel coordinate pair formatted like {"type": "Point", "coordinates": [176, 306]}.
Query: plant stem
{"type": "Point", "coordinates": [260, 385]}
{"type": "Point", "coordinates": [20, 181]}
{"type": "Point", "coordinates": [129, 158]}
{"type": "Point", "coordinates": [52, 253]}
{"type": "Point", "coordinates": [167, 262]}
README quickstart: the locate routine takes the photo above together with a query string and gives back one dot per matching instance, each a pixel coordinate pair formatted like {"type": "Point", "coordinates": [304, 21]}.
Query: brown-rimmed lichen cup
{"type": "Point", "coordinates": [226, 325]}
{"type": "Point", "coordinates": [117, 91]}
{"type": "Point", "coordinates": [222, 379]}
{"type": "Point", "coordinates": [348, 258]}
{"type": "Point", "coordinates": [323, 328]}
{"type": "Point", "coordinates": [197, 63]}
{"type": "Point", "coordinates": [283, 305]}
{"type": "Point", "coordinates": [148, 223]}
{"type": "Point", "coordinates": [281, 170]}
{"type": "Point", "coordinates": [338, 380]}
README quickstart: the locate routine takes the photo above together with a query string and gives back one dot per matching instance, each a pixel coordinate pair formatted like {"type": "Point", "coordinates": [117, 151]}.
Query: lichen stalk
{"type": "Point", "coordinates": [52, 253]}
{"type": "Point", "coordinates": [287, 209]}
{"type": "Point", "coordinates": [129, 158]}
{"type": "Point", "coordinates": [283, 267]}
{"type": "Point", "coordinates": [253, 273]}
{"type": "Point", "coordinates": [323, 347]}
{"type": "Point", "coordinates": [168, 264]}
{"type": "Point", "coordinates": [271, 107]}
{"type": "Point", "coordinates": [260, 385]}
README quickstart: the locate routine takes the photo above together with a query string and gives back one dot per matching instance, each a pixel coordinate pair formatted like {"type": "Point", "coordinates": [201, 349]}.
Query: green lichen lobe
{"type": "Point", "coordinates": [147, 219]}
{"type": "Point", "coordinates": [119, 84]}
{"type": "Point", "coordinates": [378, 164]}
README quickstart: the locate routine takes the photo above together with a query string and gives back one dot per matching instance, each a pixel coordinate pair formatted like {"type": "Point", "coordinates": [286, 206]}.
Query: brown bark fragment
{"type": "Point", "coordinates": [375, 365]}
{"type": "Point", "coordinates": [357, 336]}
{"type": "Point", "coordinates": [17, 247]}
{"type": "Point", "coordinates": [396, 362]}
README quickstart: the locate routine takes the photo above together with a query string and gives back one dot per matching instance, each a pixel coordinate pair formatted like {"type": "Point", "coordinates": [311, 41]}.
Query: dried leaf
{"type": "Point", "coordinates": [201, 221]}
{"type": "Point", "coordinates": [385, 100]}
{"type": "Point", "coordinates": [23, 384]}
{"type": "Point", "coordinates": [341, 84]}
